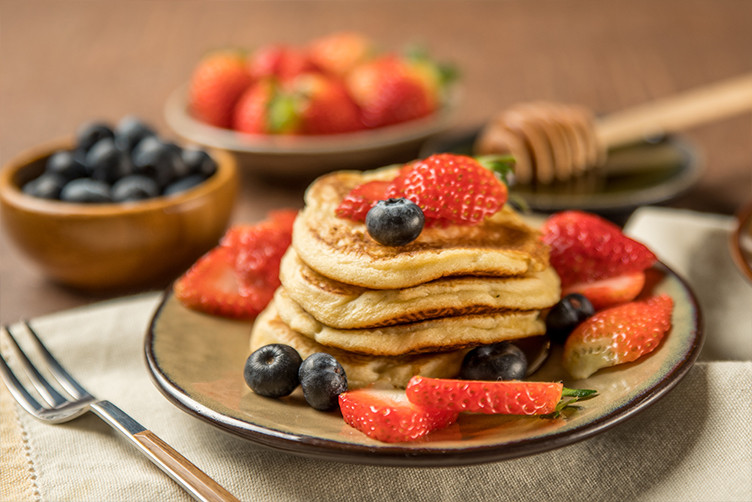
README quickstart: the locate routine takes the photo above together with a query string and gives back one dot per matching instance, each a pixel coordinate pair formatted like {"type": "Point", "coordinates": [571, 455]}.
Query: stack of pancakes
{"type": "Point", "coordinates": [388, 313]}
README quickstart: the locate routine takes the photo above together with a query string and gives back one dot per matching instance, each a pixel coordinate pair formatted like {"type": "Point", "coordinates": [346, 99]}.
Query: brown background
{"type": "Point", "coordinates": [65, 62]}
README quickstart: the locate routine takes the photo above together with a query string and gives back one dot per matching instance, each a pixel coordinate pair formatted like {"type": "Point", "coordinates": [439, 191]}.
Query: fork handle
{"type": "Point", "coordinates": [195, 481]}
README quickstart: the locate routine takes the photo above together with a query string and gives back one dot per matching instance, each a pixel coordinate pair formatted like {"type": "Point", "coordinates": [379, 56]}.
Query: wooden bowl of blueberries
{"type": "Point", "coordinates": [116, 206]}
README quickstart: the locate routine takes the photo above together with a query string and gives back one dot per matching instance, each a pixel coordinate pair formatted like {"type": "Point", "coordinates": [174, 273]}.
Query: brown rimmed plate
{"type": "Point", "coordinates": [197, 361]}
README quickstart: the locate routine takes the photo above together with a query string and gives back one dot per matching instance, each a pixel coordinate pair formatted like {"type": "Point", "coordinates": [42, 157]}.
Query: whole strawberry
{"type": "Point", "coordinates": [322, 105]}
{"type": "Point", "coordinates": [279, 61]}
{"type": "Point", "coordinates": [264, 108]}
{"type": "Point", "coordinates": [338, 53]}
{"type": "Point", "coordinates": [450, 189]}
{"type": "Point", "coordinates": [250, 114]}
{"type": "Point", "coordinates": [389, 91]}
{"type": "Point", "coordinates": [617, 335]}
{"type": "Point", "coordinates": [216, 84]}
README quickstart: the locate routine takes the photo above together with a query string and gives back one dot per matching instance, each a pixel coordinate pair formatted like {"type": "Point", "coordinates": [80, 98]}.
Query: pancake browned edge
{"type": "Point", "coordinates": [434, 335]}
{"type": "Point", "coordinates": [345, 306]}
{"type": "Point", "coordinates": [502, 246]}
{"type": "Point", "coordinates": [361, 370]}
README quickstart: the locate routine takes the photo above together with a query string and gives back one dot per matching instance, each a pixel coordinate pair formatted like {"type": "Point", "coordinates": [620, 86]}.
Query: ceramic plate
{"type": "Point", "coordinates": [197, 362]}
{"type": "Point", "coordinates": [649, 172]}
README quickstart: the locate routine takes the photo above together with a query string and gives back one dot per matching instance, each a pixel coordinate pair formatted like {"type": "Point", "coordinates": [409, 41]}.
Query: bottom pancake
{"type": "Point", "coordinates": [361, 370]}
{"type": "Point", "coordinates": [443, 334]}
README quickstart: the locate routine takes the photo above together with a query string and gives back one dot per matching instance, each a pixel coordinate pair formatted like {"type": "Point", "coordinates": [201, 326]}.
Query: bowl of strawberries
{"type": "Point", "coordinates": [333, 103]}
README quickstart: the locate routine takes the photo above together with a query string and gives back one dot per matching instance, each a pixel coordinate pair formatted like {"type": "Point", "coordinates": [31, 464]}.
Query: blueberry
{"type": "Point", "coordinates": [272, 370]}
{"type": "Point", "coordinates": [156, 159]}
{"type": "Point", "coordinates": [86, 190]}
{"type": "Point", "coordinates": [179, 168]}
{"type": "Point", "coordinates": [199, 162]}
{"type": "Point", "coordinates": [323, 379]}
{"type": "Point", "coordinates": [395, 222]}
{"type": "Point", "coordinates": [107, 162]}
{"type": "Point", "coordinates": [566, 315]}
{"type": "Point", "coordinates": [183, 184]}
{"type": "Point", "coordinates": [66, 164]}
{"type": "Point", "coordinates": [134, 187]}
{"type": "Point", "coordinates": [130, 131]}
{"type": "Point", "coordinates": [91, 133]}
{"type": "Point", "coordinates": [499, 361]}
{"type": "Point", "coordinates": [46, 186]}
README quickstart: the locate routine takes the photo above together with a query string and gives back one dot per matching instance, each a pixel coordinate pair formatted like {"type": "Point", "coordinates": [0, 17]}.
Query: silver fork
{"type": "Point", "coordinates": [59, 409]}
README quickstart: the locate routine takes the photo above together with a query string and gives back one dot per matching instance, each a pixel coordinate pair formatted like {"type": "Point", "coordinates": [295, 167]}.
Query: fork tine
{"type": "Point", "coordinates": [63, 377]}
{"type": "Point", "coordinates": [16, 388]}
{"type": "Point", "coordinates": [47, 391]}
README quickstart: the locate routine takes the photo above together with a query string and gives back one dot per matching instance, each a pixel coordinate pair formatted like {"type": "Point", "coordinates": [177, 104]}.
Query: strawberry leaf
{"type": "Point", "coordinates": [283, 113]}
{"type": "Point", "coordinates": [502, 165]}
{"type": "Point", "coordinates": [578, 393]}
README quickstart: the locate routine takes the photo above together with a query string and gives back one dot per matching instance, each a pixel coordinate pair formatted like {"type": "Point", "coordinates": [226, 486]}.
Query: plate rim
{"type": "Point", "coordinates": [394, 455]}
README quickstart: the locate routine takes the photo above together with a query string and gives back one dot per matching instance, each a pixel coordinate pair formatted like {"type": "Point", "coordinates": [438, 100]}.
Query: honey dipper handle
{"type": "Point", "coordinates": [698, 106]}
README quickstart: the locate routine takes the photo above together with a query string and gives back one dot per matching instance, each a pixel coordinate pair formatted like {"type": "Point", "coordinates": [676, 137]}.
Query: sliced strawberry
{"type": "Point", "coordinates": [360, 200]}
{"type": "Point", "coordinates": [238, 278]}
{"type": "Point", "coordinates": [609, 292]}
{"type": "Point", "coordinates": [587, 248]}
{"type": "Point", "coordinates": [258, 251]}
{"type": "Point", "coordinates": [213, 286]}
{"type": "Point", "coordinates": [499, 397]}
{"type": "Point", "coordinates": [387, 415]}
{"type": "Point", "coordinates": [217, 82]}
{"type": "Point", "coordinates": [617, 335]}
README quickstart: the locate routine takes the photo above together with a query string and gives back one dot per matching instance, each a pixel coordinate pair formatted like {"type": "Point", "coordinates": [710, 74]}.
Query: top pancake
{"type": "Point", "coordinates": [341, 249]}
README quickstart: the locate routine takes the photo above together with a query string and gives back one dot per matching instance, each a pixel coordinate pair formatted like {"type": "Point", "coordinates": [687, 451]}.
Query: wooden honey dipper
{"type": "Point", "coordinates": [556, 142]}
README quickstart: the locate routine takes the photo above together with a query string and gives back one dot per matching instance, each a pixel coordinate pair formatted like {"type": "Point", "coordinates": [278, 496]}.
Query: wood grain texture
{"type": "Point", "coordinates": [65, 62]}
{"type": "Point", "coordinates": [198, 481]}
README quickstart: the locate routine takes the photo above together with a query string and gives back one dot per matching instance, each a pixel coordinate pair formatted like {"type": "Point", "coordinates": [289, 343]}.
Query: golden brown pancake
{"type": "Point", "coordinates": [501, 246]}
{"type": "Point", "coordinates": [345, 306]}
{"type": "Point", "coordinates": [434, 335]}
{"type": "Point", "coordinates": [361, 370]}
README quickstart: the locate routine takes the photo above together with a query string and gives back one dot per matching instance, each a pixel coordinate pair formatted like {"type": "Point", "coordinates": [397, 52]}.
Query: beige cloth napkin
{"type": "Point", "coordinates": [697, 247]}
{"type": "Point", "coordinates": [692, 445]}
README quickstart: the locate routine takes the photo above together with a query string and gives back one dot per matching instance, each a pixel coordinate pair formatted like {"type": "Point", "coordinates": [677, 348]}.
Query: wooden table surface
{"type": "Point", "coordinates": [65, 62]}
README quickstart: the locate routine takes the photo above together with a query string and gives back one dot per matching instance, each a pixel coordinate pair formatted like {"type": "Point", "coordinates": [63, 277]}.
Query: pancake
{"type": "Point", "coordinates": [434, 335]}
{"type": "Point", "coordinates": [503, 245]}
{"type": "Point", "coordinates": [361, 370]}
{"type": "Point", "coordinates": [345, 306]}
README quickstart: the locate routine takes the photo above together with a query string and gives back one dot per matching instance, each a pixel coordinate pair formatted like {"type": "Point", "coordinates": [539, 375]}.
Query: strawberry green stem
{"type": "Point", "coordinates": [578, 393]}
{"type": "Point", "coordinates": [503, 165]}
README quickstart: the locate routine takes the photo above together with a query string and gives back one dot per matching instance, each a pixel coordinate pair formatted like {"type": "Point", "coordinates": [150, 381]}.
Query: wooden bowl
{"type": "Point", "coordinates": [309, 156]}
{"type": "Point", "coordinates": [114, 245]}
